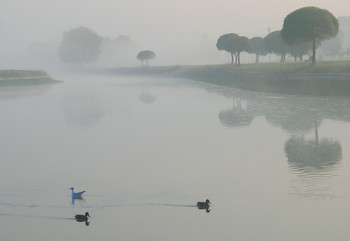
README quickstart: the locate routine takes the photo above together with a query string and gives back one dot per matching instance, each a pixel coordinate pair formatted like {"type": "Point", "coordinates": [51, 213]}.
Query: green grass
{"type": "Point", "coordinates": [25, 77]}
{"type": "Point", "coordinates": [283, 68]}
{"type": "Point", "coordinates": [271, 68]}
{"type": "Point", "coordinates": [21, 73]}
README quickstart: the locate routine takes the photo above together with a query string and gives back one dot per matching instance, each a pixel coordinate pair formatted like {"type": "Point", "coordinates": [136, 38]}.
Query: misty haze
{"type": "Point", "coordinates": [174, 120]}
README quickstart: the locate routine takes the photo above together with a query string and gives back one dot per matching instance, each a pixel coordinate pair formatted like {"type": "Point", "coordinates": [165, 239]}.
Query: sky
{"type": "Point", "coordinates": [151, 23]}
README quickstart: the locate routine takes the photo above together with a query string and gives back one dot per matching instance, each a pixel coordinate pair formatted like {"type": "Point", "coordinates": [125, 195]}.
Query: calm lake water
{"type": "Point", "coordinates": [147, 149]}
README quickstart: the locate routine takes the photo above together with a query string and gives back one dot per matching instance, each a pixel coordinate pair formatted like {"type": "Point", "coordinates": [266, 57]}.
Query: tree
{"type": "Point", "coordinates": [241, 44]}
{"type": "Point", "coordinates": [145, 56]}
{"type": "Point", "coordinates": [273, 43]}
{"type": "Point", "coordinates": [309, 24]}
{"type": "Point", "coordinates": [80, 45]}
{"type": "Point", "coordinates": [302, 49]}
{"type": "Point", "coordinates": [223, 43]}
{"type": "Point", "coordinates": [258, 47]}
{"type": "Point", "coordinates": [234, 44]}
{"type": "Point", "coordinates": [332, 47]}
{"type": "Point", "coordinates": [117, 51]}
{"type": "Point", "coordinates": [344, 27]}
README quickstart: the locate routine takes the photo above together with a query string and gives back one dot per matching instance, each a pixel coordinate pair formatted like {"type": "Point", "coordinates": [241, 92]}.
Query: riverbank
{"type": "Point", "coordinates": [324, 78]}
{"type": "Point", "coordinates": [23, 77]}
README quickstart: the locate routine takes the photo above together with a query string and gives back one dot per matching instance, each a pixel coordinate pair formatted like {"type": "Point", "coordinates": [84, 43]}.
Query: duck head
{"type": "Point", "coordinates": [207, 201]}
{"type": "Point", "coordinates": [87, 214]}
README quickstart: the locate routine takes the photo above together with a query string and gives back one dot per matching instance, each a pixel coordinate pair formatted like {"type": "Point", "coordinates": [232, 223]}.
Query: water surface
{"type": "Point", "coordinates": [147, 149]}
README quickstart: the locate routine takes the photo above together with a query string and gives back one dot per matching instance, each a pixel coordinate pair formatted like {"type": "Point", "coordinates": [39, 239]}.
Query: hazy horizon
{"type": "Point", "coordinates": [167, 27]}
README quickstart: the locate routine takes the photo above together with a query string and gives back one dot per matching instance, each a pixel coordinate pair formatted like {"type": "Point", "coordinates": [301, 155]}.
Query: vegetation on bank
{"type": "Point", "coordinates": [7, 73]}
{"type": "Point", "coordinates": [288, 68]}
{"type": "Point", "coordinates": [9, 77]}
{"type": "Point", "coordinates": [328, 67]}
{"type": "Point", "coordinates": [323, 78]}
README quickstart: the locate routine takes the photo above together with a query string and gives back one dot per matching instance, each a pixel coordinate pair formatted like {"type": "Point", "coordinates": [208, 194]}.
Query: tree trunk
{"type": "Point", "coordinates": [313, 52]}
{"type": "Point", "coordinates": [239, 58]}
{"type": "Point", "coordinates": [256, 58]}
{"type": "Point", "coordinates": [231, 58]}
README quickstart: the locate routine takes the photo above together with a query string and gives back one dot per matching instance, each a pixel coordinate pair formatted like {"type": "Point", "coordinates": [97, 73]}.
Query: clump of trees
{"type": "Point", "coordinates": [258, 47]}
{"type": "Point", "coordinates": [80, 45]}
{"type": "Point", "coordinates": [234, 44]}
{"type": "Point", "coordinates": [273, 43]}
{"type": "Point", "coordinates": [309, 24]}
{"type": "Point", "coordinates": [145, 55]}
{"type": "Point", "coordinates": [303, 31]}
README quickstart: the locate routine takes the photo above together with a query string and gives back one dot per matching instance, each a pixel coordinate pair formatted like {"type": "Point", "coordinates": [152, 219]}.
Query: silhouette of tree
{"type": "Point", "coordinates": [309, 24]}
{"type": "Point", "coordinates": [80, 45]}
{"type": "Point", "coordinates": [145, 56]}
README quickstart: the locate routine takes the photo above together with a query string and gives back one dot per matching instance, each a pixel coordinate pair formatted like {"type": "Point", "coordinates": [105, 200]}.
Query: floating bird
{"type": "Point", "coordinates": [203, 205]}
{"type": "Point", "coordinates": [76, 194]}
{"type": "Point", "coordinates": [81, 217]}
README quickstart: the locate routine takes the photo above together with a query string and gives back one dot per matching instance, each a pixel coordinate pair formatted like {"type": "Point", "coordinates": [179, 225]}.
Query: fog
{"type": "Point", "coordinates": [179, 32]}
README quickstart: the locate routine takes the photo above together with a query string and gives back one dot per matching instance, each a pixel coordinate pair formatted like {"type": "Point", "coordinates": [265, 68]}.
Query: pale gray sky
{"type": "Point", "coordinates": [149, 22]}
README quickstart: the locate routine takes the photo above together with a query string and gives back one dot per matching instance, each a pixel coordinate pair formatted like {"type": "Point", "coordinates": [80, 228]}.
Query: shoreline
{"type": "Point", "coordinates": [25, 77]}
{"type": "Point", "coordinates": [278, 81]}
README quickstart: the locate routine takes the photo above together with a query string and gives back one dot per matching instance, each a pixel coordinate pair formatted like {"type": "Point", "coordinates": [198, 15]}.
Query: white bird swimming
{"type": "Point", "coordinates": [76, 194]}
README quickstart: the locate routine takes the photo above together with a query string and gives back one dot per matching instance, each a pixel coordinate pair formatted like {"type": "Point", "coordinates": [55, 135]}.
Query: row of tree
{"type": "Point", "coordinates": [82, 45]}
{"type": "Point", "coordinates": [303, 30]}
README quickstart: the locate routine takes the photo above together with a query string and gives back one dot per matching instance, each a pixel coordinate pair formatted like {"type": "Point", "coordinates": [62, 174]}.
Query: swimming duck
{"type": "Point", "coordinates": [76, 194]}
{"type": "Point", "coordinates": [81, 217]}
{"type": "Point", "coordinates": [203, 205]}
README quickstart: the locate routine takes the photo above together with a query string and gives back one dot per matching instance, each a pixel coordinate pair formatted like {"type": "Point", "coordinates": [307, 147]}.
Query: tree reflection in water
{"type": "Point", "coordinates": [237, 116]}
{"type": "Point", "coordinates": [312, 160]}
{"type": "Point", "coordinates": [312, 155]}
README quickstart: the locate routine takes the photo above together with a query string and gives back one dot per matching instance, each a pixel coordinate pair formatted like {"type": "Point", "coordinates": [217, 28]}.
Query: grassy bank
{"type": "Point", "coordinates": [20, 77]}
{"type": "Point", "coordinates": [288, 68]}
{"type": "Point", "coordinates": [323, 78]}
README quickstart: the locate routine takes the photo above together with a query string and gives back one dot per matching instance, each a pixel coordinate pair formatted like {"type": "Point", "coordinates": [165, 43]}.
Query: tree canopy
{"type": "Point", "coordinates": [273, 43]}
{"type": "Point", "coordinates": [309, 24]}
{"type": "Point", "coordinates": [79, 45]}
{"type": "Point", "coordinates": [234, 44]}
{"type": "Point", "coordinates": [145, 56]}
{"type": "Point", "coordinates": [258, 47]}
{"type": "Point", "coordinates": [223, 43]}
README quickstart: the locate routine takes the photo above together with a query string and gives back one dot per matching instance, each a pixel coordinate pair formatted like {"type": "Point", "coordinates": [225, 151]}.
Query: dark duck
{"type": "Point", "coordinates": [81, 217]}
{"type": "Point", "coordinates": [204, 205]}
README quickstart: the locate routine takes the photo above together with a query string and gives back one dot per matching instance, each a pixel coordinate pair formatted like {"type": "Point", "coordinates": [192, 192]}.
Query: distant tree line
{"type": "Point", "coordinates": [303, 31]}
{"type": "Point", "coordinates": [82, 45]}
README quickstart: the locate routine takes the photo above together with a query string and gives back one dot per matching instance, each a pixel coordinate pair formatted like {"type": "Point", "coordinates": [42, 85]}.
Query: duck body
{"type": "Point", "coordinates": [81, 217]}
{"type": "Point", "coordinates": [76, 194]}
{"type": "Point", "coordinates": [203, 205]}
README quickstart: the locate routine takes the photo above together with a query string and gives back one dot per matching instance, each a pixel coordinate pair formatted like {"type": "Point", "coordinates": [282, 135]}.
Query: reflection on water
{"type": "Point", "coordinates": [237, 116]}
{"type": "Point", "coordinates": [143, 166]}
{"type": "Point", "coordinates": [79, 198]}
{"type": "Point", "coordinates": [82, 109]}
{"type": "Point", "coordinates": [312, 155]}
{"type": "Point", "coordinates": [312, 159]}
{"type": "Point", "coordinates": [17, 91]}
{"type": "Point", "coordinates": [147, 98]}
